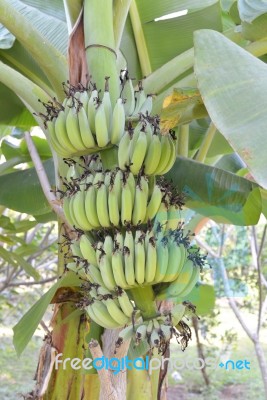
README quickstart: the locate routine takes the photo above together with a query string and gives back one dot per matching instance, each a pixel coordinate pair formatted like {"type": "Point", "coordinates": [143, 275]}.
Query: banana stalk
{"type": "Point", "coordinates": [100, 45]}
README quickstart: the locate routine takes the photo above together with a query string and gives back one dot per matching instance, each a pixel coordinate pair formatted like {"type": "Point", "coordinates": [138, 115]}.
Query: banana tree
{"type": "Point", "coordinates": [69, 67]}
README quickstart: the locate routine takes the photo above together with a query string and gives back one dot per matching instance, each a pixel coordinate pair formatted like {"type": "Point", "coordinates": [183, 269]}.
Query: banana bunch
{"type": "Point", "coordinates": [111, 199]}
{"type": "Point", "coordinates": [156, 332]}
{"type": "Point", "coordinates": [84, 123]}
{"type": "Point", "coordinates": [133, 259]}
{"type": "Point", "coordinates": [109, 309]}
{"type": "Point", "coordinates": [187, 277]}
{"type": "Point", "coordinates": [145, 148]}
{"type": "Point", "coordinates": [135, 102]}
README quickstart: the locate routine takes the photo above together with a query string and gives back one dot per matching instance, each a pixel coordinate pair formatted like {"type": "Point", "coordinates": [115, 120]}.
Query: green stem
{"type": "Point", "coordinates": [183, 139]}
{"type": "Point", "coordinates": [140, 40]}
{"type": "Point", "coordinates": [164, 75]}
{"type": "Point", "coordinates": [205, 145]}
{"type": "Point", "coordinates": [52, 62]}
{"type": "Point", "coordinates": [100, 45]}
{"type": "Point", "coordinates": [121, 9]}
{"type": "Point", "coordinates": [109, 158]}
{"type": "Point", "coordinates": [144, 299]}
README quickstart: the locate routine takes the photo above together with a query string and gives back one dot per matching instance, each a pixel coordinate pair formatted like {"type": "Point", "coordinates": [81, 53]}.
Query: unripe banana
{"type": "Point", "coordinates": [62, 135]}
{"type": "Point", "coordinates": [125, 303]}
{"type": "Point", "coordinates": [73, 130]}
{"type": "Point", "coordinates": [103, 315]}
{"type": "Point", "coordinates": [166, 152]}
{"type": "Point", "coordinates": [54, 141]}
{"type": "Point", "coordinates": [125, 335]}
{"type": "Point", "coordinates": [171, 159]}
{"type": "Point", "coordinates": [66, 209]}
{"type": "Point", "coordinates": [107, 106]}
{"type": "Point", "coordinates": [113, 207]}
{"type": "Point", "coordinates": [174, 261]}
{"type": "Point", "coordinates": [129, 258]}
{"type": "Point", "coordinates": [153, 154]}
{"type": "Point", "coordinates": [91, 109]}
{"type": "Point", "coordinates": [102, 206]}
{"type": "Point", "coordinates": [139, 153]}
{"type": "Point", "coordinates": [140, 334]}
{"type": "Point", "coordinates": [88, 250]}
{"type": "Point", "coordinates": [177, 287]}
{"type": "Point", "coordinates": [85, 131]}
{"type": "Point", "coordinates": [139, 259]}
{"type": "Point", "coordinates": [118, 122]}
{"type": "Point", "coordinates": [101, 126]}
{"type": "Point", "coordinates": [116, 312]}
{"type": "Point", "coordinates": [126, 204]}
{"type": "Point", "coordinates": [140, 98]}
{"type": "Point", "coordinates": [140, 202]}
{"type": "Point", "coordinates": [128, 94]}
{"type": "Point", "coordinates": [79, 211]}
{"type": "Point", "coordinates": [107, 272]}
{"type": "Point", "coordinates": [118, 269]}
{"type": "Point", "coordinates": [147, 105]}
{"type": "Point", "coordinates": [154, 203]}
{"type": "Point", "coordinates": [151, 261]}
{"type": "Point", "coordinates": [162, 259]}
{"type": "Point", "coordinates": [90, 206]}
{"type": "Point", "coordinates": [123, 151]}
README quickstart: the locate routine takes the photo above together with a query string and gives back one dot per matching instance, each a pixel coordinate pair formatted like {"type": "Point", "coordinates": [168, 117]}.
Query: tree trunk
{"type": "Point", "coordinates": [262, 364]}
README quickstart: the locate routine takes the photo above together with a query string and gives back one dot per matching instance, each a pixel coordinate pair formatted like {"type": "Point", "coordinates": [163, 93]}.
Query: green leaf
{"type": "Point", "coordinates": [26, 327]}
{"type": "Point", "coordinates": [43, 218]}
{"type": "Point", "coordinates": [233, 85]}
{"type": "Point", "coordinates": [21, 190]}
{"type": "Point", "coordinates": [250, 10]}
{"type": "Point", "coordinates": [13, 111]}
{"type": "Point", "coordinates": [168, 38]}
{"type": "Point", "coordinates": [41, 145]}
{"type": "Point", "coordinates": [45, 37]}
{"type": "Point", "coordinates": [215, 193]}
{"type": "Point", "coordinates": [203, 296]}
{"type": "Point", "coordinates": [6, 167]}
{"type": "Point", "coordinates": [26, 266]}
{"type": "Point", "coordinates": [6, 38]}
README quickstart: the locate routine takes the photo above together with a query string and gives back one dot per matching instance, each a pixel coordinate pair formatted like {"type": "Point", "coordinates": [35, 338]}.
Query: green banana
{"type": "Point", "coordinates": [90, 206]}
{"type": "Point", "coordinates": [154, 203]}
{"type": "Point", "coordinates": [116, 312]}
{"type": "Point", "coordinates": [125, 303]}
{"type": "Point", "coordinates": [78, 206]}
{"type": "Point", "coordinates": [118, 268]}
{"type": "Point", "coordinates": [166, 152]}
{"type": "Point", "coordinates": [73, 130]}
{"type": "Point", "coordinates": [101, 126]}
{"type": "Point", "coordinates": [123, 151]}
{"type": "Point", "coordinates": [153, 154]}
{"type": "Point", "coordinates": [87, 250]}
{"type": "Point", "coordinates": [139, 153]}
{"type": "Point", "coordinates": [151, 261]}
{"type": "Point", "coordinates": [118, 122]}
{"type": "Point", "coordinates": [91, 109]}
{"type": "Point", "coordinates": [102, 206]}
{"type": "Point", "coordinates": [85, 131]}
{"type": "Point", "coordinates": [126, 204]}
{"type": "Point", "coordinates": [128, 93]}
{"type": "Point", "coordinates": [139, 258]}
{"type": "Point", "coordinates": [62, 135]}
{"type": "Point", "coordinates": [107, 272]}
